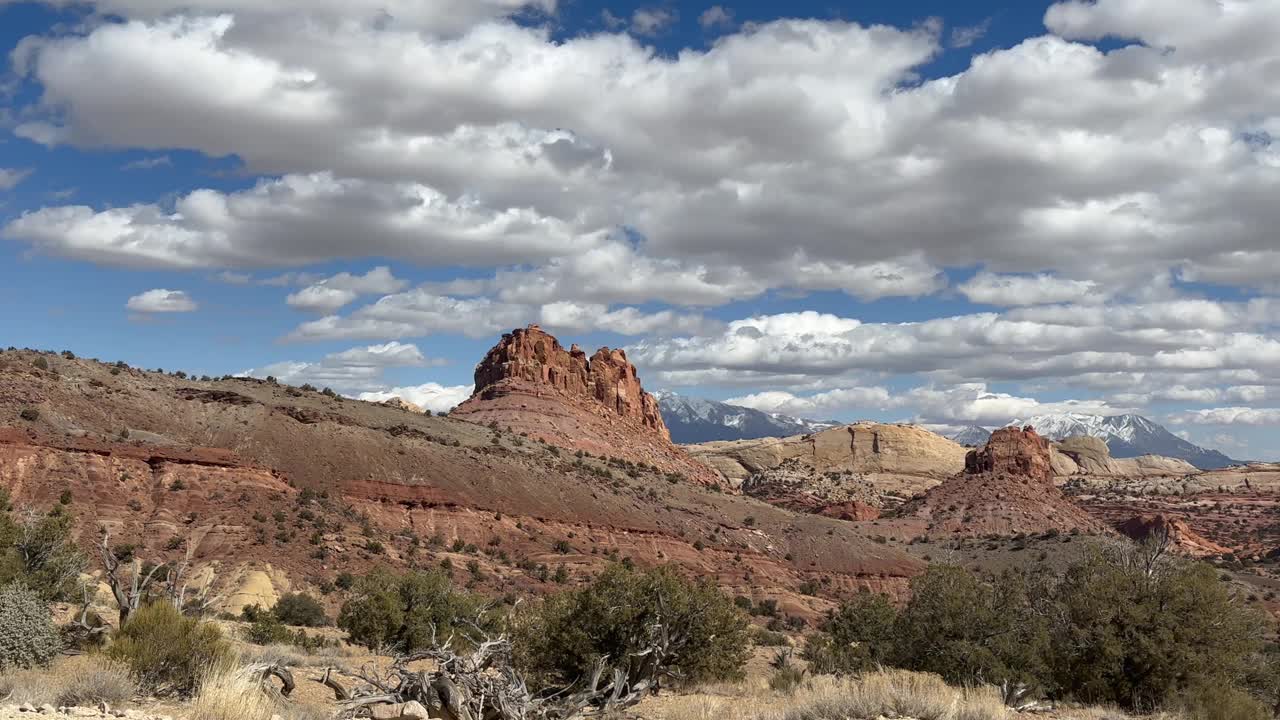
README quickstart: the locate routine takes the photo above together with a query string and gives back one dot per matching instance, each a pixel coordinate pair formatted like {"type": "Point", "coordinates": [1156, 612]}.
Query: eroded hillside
{"type": "Point", "coordinates": [297, 486]}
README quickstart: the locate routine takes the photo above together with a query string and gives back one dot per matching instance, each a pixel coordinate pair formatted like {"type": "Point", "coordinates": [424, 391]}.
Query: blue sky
{"type": "Point", "coordinates": [937, 212]}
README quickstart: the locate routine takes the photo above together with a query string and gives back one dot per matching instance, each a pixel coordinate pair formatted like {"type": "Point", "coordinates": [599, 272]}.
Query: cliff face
{"type": "Point", "coordinates": [531, 356]}
{"type": "Point", "coordinates": [529, 383]}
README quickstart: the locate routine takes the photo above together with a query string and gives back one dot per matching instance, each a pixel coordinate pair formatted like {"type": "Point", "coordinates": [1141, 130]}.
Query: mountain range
{"type": "Point", "coordinates": [972, 436]}
{"type": "Point", "coordinates": [697, 420]}
{"type": "Point", "coordinates": [1127, 436]}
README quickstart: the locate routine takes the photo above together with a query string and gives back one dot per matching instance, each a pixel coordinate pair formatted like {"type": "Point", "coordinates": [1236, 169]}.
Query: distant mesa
{"type": "Point", "coordinates": [878, 465]}
{"type": "Point", "coordinates": [530, 383]}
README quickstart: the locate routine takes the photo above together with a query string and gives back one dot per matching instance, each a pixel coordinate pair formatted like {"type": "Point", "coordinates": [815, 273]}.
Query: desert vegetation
{"type": "Point", "coordinates": [1129, 626]}
{"type": "Point", "coordinates": [1124, 626]}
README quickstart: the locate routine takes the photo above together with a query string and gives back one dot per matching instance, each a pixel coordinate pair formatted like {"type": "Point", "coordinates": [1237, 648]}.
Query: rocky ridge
{"type": "Point", "coordinates": [242, 472]}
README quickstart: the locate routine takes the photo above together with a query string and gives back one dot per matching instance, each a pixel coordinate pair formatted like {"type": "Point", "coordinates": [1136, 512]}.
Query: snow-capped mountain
{"type": "Point", "coordinates": [972, 435]}
{"type": "Point", "coordinates": [1127, 436]}
{"type": "Point", "coordinates": [695, 420]}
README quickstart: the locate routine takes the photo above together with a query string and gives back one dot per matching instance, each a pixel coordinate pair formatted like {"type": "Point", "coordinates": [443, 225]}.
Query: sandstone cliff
{"type": "Point", "coordinates": [529, 383]}
{"type": "Point", "coordinates": [899, 461]}
{"type": "Point", "coordinates": [1084, 455]}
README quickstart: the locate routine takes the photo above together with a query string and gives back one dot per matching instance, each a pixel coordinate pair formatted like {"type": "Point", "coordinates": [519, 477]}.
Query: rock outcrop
{"type": "Point", "coordinates": [1180, 535]}
{"type": "Point", "coordinates": [530, 355]}
{"type": "Point", "coordinates": [530, 384]}
{"type": "Point", "coordinates": [1006, 488]}
{"type": "Point", "coordinates": [402, 404]}
{"type": "Point", "coordinates": [899, 461]}
{"type": "Point", "coordinates": [1011, 451]}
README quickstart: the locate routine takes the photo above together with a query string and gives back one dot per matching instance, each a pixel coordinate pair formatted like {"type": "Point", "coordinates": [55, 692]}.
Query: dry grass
{"type": "Point", "coordinates": [291, 656]}
{"type": "Point", "coordinates": [228, 693]}
{"type": "Point", "coordinates": [81, 681]}
{"type": "Point", "coordinates": [894, 693]}
{"type": "Point", "coordinates": [890, 693]}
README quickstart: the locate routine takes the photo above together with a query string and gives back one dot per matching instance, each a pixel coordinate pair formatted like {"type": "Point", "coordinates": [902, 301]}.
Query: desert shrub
{"type": "Point", "coordinates": [968, 630]}
{"type": "Point", "coordinates": [100, 682]}
{"type": "Point", "coordinates": [40, 363]}
{"type": "Point", "coordinates": [38, 551]}
{"type": "Point", "coordinates": [787, 676]}
{"type": "Point", "coordinates": [168, 653]}
{"type": "Point", "coordinates": [300, 609]}
{"type": "Point", "coordinates": [615, 616]}
{"type": "Point", "coordinates": [1122, 625]}
{"type": "Point", "coordinates": [1138, 629]}
{"type": "Point", "coordinates": [27, 635]}
{"type": "Point", "coordinates": [29, 414]}
{"type": "Point", "coordinates": [855, 637]}
{"type": "Point", "coordinates": [266, 629]}
{"type": "Point", "coordinates": [763, 637]}
{"type": "Point", "coordinates": [405, 612]}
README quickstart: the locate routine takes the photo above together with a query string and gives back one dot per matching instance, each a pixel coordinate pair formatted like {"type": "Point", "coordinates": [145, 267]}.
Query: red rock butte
{"type": "Point", "coordinates": [531, 384]}
{"type": "Point", "coordinates": [1006, 488]}
{"type": "Point", "coordinates": [1014, 452]}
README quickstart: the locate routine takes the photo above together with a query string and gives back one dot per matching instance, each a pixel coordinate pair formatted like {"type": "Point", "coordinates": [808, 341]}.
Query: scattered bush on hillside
{"type": "Point", "coordinates": [616, 615]}
{"type": "Point", "coordinates": [166, 652]}
{"type": "Point", "coordinates": [856, 637]}
{"type": "Point", "coordinates": [300, 609]}
{"type": "Point", "coordinates": [1128, 626]}
{"type": "Point", "coordinates": [27, 635]}
{"type": "Point", "coordinates": [266, 629]}
{"type": "Point", "coordinates": [29, 414]}
{"type": "Point", "coordinates": [37, 550]}
{"type": "Point", "coordinates": [408, 612]}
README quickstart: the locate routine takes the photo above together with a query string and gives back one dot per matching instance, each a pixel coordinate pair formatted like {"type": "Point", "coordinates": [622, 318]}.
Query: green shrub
{"type": "Point", "coordinates": [38, 551]}
{"type": "Point", "coordinates": [300, 609]}
{"type": "Point", "coordinates": [968, 630]}
{"type": "Point", "coordinates": [266, 629]}
{"type": "Point", "coordinates": [616, 616]}
{"type": "Point", "coordinates": [404, 612]}
{"type": "Point", "coordinates": [27, 635]}
{"type": "Point", "coordinates": [29, 414]}
{"type": "Point", "coordinates": [166, 652]}
{"type": "Point", "coordinates": [854, 638]}
{"type": "Point", "coordinates": [1137, 628]}
{"type": "Point", "coordinates": [1122, 625]}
